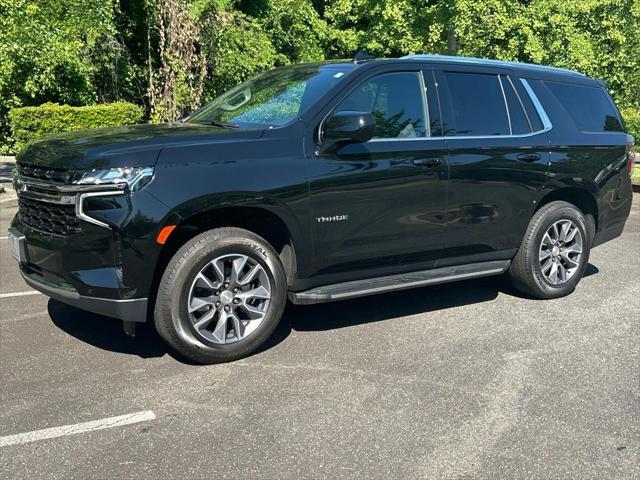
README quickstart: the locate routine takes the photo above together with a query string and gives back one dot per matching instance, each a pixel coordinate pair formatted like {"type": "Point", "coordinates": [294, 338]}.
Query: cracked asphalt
{"type": "Point", "coordinates": [459, 381]}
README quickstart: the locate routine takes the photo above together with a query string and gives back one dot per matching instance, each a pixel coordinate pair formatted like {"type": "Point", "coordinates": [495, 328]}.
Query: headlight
{"type": "Point", "coordinates": [134, 177]}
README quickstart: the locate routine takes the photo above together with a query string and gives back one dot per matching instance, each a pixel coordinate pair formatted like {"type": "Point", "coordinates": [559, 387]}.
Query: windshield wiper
{"type": "Point", "coordinates": [220, 124]}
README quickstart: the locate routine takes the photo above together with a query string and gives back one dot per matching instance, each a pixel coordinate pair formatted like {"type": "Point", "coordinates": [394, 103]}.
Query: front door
{"type": "Point", "coordinates": [378, 207]}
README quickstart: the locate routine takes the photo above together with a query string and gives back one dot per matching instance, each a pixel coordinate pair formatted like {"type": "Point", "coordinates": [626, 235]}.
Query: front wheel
{"type": "Point", "coordinates": [554, 253]}
{"type": "Point", "coordinates": [221, 296]}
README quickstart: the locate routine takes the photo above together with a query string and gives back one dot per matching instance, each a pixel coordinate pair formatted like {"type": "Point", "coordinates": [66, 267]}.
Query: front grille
{"type": "Point", "coordinates": [53, 175]}
{"type": "Point", "coordinates": [48, 217]}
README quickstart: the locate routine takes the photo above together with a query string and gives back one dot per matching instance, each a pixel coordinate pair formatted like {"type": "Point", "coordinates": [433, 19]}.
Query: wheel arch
{"type": "Point", "coordinates": [269, 219]}
{"type": "Point", "coordinates": [582, 198]}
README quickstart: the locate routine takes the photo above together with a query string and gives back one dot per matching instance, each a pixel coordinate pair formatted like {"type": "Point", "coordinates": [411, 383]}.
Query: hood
{"type": "Point", "coordinates": [127, 146]}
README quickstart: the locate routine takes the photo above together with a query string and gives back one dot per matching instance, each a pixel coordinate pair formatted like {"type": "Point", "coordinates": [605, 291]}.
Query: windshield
{"type": "Point", "coordinates": [273, 98]}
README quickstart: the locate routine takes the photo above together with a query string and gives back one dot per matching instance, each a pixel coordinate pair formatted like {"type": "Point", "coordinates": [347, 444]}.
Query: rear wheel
{"type": "Point", "coordinates": [221, 296]}
{"type": "Point", "coordinates": [554, 253]}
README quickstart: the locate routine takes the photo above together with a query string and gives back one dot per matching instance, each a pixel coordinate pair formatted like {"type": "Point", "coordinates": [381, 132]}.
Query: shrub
{"type": "Point", "coordinates": [31, 123]}
{"type": "Point", "coordinates": [632, 121]}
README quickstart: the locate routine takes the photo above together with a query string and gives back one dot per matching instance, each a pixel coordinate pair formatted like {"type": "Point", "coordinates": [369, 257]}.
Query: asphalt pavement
{"type": "Point", "coordinates": [460, 381]}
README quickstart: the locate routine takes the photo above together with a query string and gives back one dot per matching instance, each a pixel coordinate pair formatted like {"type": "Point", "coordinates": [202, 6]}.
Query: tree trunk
{"type": "Point", "coordinates": [452, 42]}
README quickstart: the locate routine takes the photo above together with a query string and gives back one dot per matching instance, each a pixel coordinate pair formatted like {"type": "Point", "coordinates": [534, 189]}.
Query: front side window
{"type": "Point", "coordinates": [273, 98]}
{"type": "Point", "coordinates": [589, 107]}
{"type": "Point", "coordinates": [476, 105]}
{"type": "Point", "coordinates": [396, 102]}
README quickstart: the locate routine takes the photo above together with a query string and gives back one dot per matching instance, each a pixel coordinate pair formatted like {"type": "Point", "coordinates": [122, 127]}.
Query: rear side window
{"type": "Point", "coordinates": [590, 107]}
{"type": "Point", "coordinates": [476, 105]}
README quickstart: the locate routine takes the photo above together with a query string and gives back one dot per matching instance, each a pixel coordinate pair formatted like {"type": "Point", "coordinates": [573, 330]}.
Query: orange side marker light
{"type": "Point", "coordinates": [164, 234]}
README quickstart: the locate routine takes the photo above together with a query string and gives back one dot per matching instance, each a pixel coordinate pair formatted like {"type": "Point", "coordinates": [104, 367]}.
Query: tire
{"type": "Point", "coordinates": [529, 270]}
{"type": "Point", "coordinates": [183, 288]}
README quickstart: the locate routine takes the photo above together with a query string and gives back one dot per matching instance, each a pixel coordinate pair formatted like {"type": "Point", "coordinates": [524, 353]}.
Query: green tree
{"type": "Point", "coordinates": [382, 27]}
{"type": "Point", "coordinates": [600, 38]}
{"type": "Point", "coordinates": [236, 47]}
{"type": "Point", "coordinates": [173, 55]}
{"type": "Point", "coordinates": [293, 26]}
{"type": "Point", "coordinates": [50, 51]}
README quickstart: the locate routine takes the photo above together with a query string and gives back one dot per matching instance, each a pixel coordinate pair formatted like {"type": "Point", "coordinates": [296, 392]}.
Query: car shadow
{"type": "Point", "coordinates": [107, 333]}
{"type": "Point", "coordinates": [386, 307]}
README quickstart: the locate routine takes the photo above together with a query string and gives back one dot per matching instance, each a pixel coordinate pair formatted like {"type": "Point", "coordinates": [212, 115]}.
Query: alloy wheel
{"type": "Point", "coordinates": [228, 299]}
{"type": "Point", "coordinates": [560, 253]}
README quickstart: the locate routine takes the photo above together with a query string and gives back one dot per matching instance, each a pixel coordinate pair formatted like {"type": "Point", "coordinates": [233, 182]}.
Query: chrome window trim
{"type": "Point", "coordinates": [426, 115]}
{"type": "Point", "coordinates": [460, 137]}
{"type": "Point", "coordinates": [80, 205]}
{"type": "Point", "coordinates": [506, 105]}
{"type": "Point", "coordinates": [546, 123]}
{"type": "Point", "coordinates": [526, 114]}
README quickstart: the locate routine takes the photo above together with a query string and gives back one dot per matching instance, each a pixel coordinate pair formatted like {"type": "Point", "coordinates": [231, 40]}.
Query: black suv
{"type": "Point", "coordinates": [322, 182]}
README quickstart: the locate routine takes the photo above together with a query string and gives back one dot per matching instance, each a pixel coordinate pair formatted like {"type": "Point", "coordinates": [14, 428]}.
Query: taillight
{"type": "Point", "coordinates": [630, 158]}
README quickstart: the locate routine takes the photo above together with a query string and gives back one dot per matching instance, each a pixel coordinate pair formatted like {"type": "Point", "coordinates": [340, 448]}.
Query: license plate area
{"type": "Point", "coordinates": [17, 245]}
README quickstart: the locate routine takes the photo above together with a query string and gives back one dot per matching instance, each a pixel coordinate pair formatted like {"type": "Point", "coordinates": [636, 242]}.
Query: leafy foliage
{"type": "Point", "coordinates": [170, 56]}
{"type": "Point", "coordinates": [31, 123]}
{"type": "Point", "coordinates": [293, 27]}
{"type": "Point", "coordinates": [236, 48]}
{"type": "Point", "coordinates": [632, 122]}
{"type": "Point", "coordinates": [60, 50]}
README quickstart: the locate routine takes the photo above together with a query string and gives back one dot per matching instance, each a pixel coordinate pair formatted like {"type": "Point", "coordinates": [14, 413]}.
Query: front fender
{"type": "Point", "coordinates": [218, 201]}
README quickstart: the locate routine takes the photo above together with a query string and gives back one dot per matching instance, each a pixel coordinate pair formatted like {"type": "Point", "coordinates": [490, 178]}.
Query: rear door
{"type": "Point", "coordinates": [588, 145]}
{"type": "Point", "coordinates": [498, 158]}
{"type": "Point", "coordinates": [378, 207]}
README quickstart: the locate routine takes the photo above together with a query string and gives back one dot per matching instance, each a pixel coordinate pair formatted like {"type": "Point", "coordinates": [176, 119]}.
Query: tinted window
{"type": "Point", "coordinates": [519, 120]}
{"type": "Point", "coordinates": [534, 117]}
{"type": "Point", "coordinates": [589, 107]}
{"type": "Point", "coordinates": [395, 101]}
{"type": "Point", "coordinates": [477, 105]}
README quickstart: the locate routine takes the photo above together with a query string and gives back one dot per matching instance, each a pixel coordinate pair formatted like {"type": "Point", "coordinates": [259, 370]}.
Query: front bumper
{"type": "Point", "coordinates": [130, 310]}
{"type": "Point", "coordinates": [93, 249]}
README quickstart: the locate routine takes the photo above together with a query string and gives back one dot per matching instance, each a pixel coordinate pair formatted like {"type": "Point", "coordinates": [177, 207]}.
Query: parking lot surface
{"type": "Point", "coordinates": [458, 381]}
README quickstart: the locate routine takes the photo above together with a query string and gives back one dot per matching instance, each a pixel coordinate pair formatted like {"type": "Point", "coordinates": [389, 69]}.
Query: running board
{"type": "Point", "coordinates": [371, 286]}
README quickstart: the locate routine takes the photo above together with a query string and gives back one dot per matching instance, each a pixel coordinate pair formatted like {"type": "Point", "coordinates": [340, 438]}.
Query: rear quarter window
{"type": "Point", "coordinates": [590, 107]}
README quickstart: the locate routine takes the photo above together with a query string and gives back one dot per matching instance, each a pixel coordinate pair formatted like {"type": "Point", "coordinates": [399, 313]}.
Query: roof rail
{"type": "Point", "coordinates": [486, 61]}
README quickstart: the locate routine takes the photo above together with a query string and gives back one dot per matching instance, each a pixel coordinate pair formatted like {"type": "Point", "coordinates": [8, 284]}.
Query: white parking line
{"type": "Point", "coordinates": [19, 294]}
{"type": "Point", "coordinates": [77, 428]}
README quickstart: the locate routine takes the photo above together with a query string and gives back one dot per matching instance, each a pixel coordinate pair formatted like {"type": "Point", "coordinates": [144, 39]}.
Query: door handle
{"type": "Point", "coordinates": [529, 157]}
{"type": "Point", "coordinates": [427, 162]}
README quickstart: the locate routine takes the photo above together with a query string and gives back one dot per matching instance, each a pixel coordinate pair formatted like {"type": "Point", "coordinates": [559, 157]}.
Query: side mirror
{"type": "Point", "coordinates": [349, 126]}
